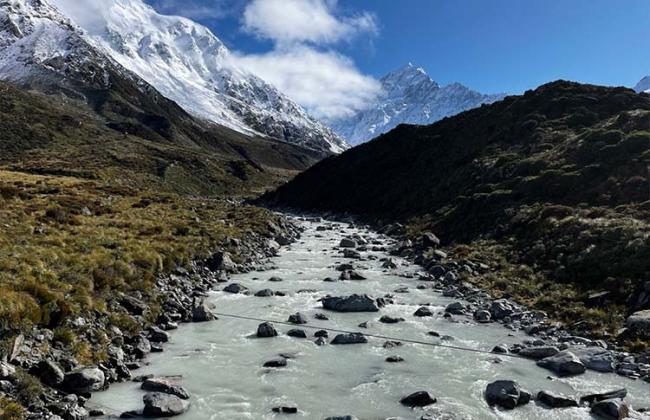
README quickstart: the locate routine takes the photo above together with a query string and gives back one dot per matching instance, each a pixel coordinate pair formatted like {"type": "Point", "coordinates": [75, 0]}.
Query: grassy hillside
{"type": "Point", "coordinates": [555, 179]}
{"type": "Point", "coordinates": [58, 135]}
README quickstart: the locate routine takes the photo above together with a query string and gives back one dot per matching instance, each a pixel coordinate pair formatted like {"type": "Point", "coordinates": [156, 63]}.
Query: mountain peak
{"type": "Point", "coordinates": [643, 85]}
{"type": "Point", "coordinates": [410, 96]}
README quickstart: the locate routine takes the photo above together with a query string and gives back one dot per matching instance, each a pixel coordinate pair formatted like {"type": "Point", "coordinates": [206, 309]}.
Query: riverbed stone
{"type": "Point", "coordinates": [202, 313]}
{"type": "Point", "coordinates": [386, 319]}
{"type": "Point", "coordinates": [264, 293]}
{"type": "Point", "coordinates": [297, 318]}
{"type": "Point", "coordinates": [157, 404]}
{"type": "Point", "coordinates": [601, 396]}
{"type": "Point", "coordinates": [554, 400]}
{"type": "Point", "coordinates": [276, 363]}
{"type": "Point", "coordinates": [563, 363]}
{"type": "Point", "coordinates": [350, 338]}
{"type": "Point", "coordinates": [500, 309]}
{"type": "Point", "coordinates": [297, 333]}
{"type": "Point", "coordinates": [353, 303]}
{"type": "Point", "coordinates": [423, 311]}
{"type": "Point", "coordinates": [456, 308]}
{"type": "Point", "coordinates": [394, 359]}
{"type": "Point", "coordinates": [351, 275]}
{"type": "Point", "coordinates": [506, 394]}
{"type": "Point", "coordinates": [539, 352]}
{"type": "Point", "coordinates": [348, 243]}
{"type": "Point", "coordinates": [418, 399]}
{"type": "Point", "coordinates": [266, 330]}
{"type": "Point", "coordinates": [612, 409]}
{"type": "Point", "coordinates": [166, 385]}
{"type": "Point", "coordinates": [235, 288]}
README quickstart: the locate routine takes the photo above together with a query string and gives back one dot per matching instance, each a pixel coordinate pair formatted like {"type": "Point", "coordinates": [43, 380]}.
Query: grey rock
{"type": "Point", "coordinates": [563, 363]}
{"type": "Point", "coordinates": [202, 313]}
{"type": "Point", "coordinates": [166, 386]}
{"type": "Point", "coordinates": [596, 358]}
{"type": "Point", "coordinates": [394, 359]}
{"type": "Point", "coordinates": [235, 288]}
{"type": "Point", "coordinates": [321, 333]}
{"type": "Point", "coordinates": [352, 254]}
{"type": "Point", "coordinates": [456, 308]}
{"type": "Point", "coordinates": [265, 293]}
{"type": "Point", "coordinates": [418, 399]}
{"type": "Point", "coordinates": [554, 400]}
{"type": "Point", "coordinates": [423, 311]}
{"type": "Point", "coordinates": [266, 330]}
{"type": "Point", "coordinates": [500, 349]}
{"type": "Point", "coordinates": [482, 316]}
{"type": "Point", "coordinates": [390, 320]}
{"type": "Point", "coordinates": [639, 323]}
{"type": "Point", "coordinates": [297, 333]}
{"type": "Point", "coordinates": [84, 380]}
{"type": "Point", "coordinates": [50, 373]}
{"type": "Point", "coordinates": [222, 261]}
{"type": "Point", "coordinates": [276, 363]}
{"type": "Point", "coordinates": [353, 303]}
{"type": "Point", "coordinates": [506, 394]}
{"type": "Point", "coordinates": [297, 318]}
{"type": "Point", "coordinates": [612, 409]}
{"type": "Point", "coordinates": [348, 243]}
{"type": "Point", "coordinates": [351, 338]}
{"type": "Point", "coordinates": [500, 309]}
{"type": "Point", "coordinates": [592, 398]}
{"type": "Point", "coordinates": [539, 352]}
{"type": "Point", "coordinates": [157, 404]}
{"type": "Point", "coordinates": [156, 335]}
{"type": "Point", "coordinates": [351, 275]}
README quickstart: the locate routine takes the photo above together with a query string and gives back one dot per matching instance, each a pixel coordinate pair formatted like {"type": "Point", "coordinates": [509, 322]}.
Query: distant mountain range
{"type": "Point", "coordinates": [409, 96]}
{"type": "Point", "coordinates": [643, 85]}
{"type": "Point", "coordinates": [180, 59]}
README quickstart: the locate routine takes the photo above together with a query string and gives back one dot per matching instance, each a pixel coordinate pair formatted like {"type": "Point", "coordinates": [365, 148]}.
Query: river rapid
{"type": "Point", "coordinates": [221, 361]}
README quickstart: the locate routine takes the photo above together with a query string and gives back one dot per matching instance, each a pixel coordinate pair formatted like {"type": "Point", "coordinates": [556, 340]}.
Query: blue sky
{"type": "Point", "coordinates": [489, 45]}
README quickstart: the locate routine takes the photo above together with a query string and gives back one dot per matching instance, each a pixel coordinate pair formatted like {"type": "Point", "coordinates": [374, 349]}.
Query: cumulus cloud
{"type": "Point", "coordinates": [303, 63]}
{"type": "Point", "coordinates": [326, 83]}
{"type": "Point", "coordinates": [303, 21]}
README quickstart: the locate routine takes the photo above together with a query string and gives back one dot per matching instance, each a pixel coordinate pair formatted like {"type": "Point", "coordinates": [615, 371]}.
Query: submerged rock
{"type": "Point", "coordinates": [276, 363]}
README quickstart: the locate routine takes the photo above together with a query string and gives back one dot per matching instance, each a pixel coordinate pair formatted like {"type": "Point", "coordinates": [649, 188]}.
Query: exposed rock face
{"type": "Point", "coordinates": [506, 394]}
{"type": "Point", "coordinates": [353, 303]}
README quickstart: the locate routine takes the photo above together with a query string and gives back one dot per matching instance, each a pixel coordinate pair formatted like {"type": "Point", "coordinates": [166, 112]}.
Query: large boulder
{"type": "Point", "coordinates": [166, 386]}
{"type": "Point", "coordinates": [235, 288]}
{"type": "Point", "coordinates": [266, 330]}
{"type": "Point", "coordinates": [157, 404]}
{"type": "Point", "coordinates": [563, 363]}
{"type": "Point", "coordinates": [500, 309]}
{"type": "Point", "coordinates": [639, 323]}
{"type": "Point", "coordinates": [602, 396]}
{"type": "Point", "coordinates": [84, 380]}
{"type": "Point", "coordinates": [612, 409]}
{"type": "Point", "coordinates": [348, 243]}
{"type": "Point", "coordinates": [539, 352]}
{"type": "Point", "coordinates": [418, 399]}
{"type": "Point", "coordinates": [50, 373]}
{"type": "Point", "coordinates": [221, 261]}
{"type": "Point", "coordinates": [423, 311]}
{"type": "Point", "coordinates": [297, 318]}
{"type": "Point", "coordinates": [554, 400]}
{"type": "Point", "coordinates": [595, 358]}
{"type": "Point", "coordinates": [202, 313]}
{"type": "Point", "coordinates": [456, 308]}
{"type": "Point", "coordinates": [506, 394]}
{"type": "Point", "coordinates": [351, 338]}
{"type": "Point", "coordinates": [353, 303]}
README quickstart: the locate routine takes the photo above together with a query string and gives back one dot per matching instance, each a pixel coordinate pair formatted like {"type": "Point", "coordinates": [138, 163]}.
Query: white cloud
{"type": "Point", "coordinates": [326, 83]}
{"type": "Point", "coordinates": [288, 21]}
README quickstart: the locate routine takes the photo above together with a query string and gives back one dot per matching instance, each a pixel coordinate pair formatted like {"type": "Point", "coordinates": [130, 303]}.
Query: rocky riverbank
{"type": "Point", "coordinates": [43, 373]}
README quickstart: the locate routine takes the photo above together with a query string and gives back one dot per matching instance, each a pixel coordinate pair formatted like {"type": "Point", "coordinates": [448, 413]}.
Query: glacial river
{"type": "Point", "coordinates": [221, 361]}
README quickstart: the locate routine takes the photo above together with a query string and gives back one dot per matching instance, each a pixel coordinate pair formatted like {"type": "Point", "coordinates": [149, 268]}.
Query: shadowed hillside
{"type": "Point", "coordinates": [556, 179]}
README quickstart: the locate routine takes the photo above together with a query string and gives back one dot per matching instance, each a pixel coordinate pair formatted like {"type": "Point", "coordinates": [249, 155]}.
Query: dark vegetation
{"type": "Point", "coordinates": [550, 187]}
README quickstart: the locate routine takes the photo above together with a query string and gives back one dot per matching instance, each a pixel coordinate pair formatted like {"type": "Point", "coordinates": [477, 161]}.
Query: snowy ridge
{"type": "Point", "coordinates": [409, 96]}
{"type": "Point", "coordinates": [188, 64]}
{"type": "Point", "coordinates": [643, 85]}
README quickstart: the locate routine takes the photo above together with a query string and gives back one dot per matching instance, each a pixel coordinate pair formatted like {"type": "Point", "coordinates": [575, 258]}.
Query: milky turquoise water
{"type": "Point", "coordinates": [221, 363]}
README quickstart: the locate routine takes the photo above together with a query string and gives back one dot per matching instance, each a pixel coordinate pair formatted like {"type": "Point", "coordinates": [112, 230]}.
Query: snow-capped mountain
{"type": "Point", "coordinates": [182, 60]}
{"type": "Point", "coordinates": [643, 85]}
{"type": "Point", "coordinates": [409, 96]}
